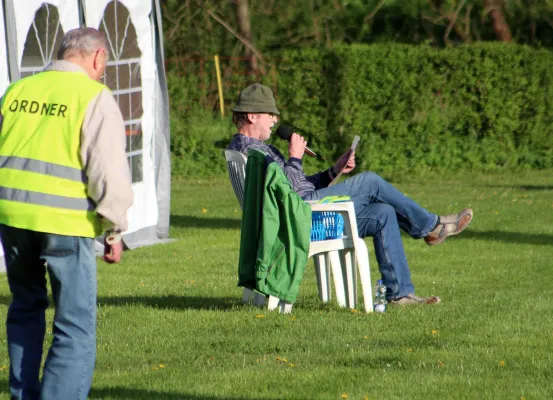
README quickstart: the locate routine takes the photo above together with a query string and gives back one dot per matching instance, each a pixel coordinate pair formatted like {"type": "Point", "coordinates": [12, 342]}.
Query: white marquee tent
{"type": "Point", "coordinates": [30, 35]}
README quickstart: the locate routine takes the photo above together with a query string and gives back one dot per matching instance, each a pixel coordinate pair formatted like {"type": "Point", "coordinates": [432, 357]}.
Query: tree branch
{"type": "Point", "coordinates": [432, 6]}
{"type": "Point", "coordinates": [373, 12]}
{"type": "Point", "coordinates": [243, 15]}
{"type": "Point", "coordinates": [467, 20]}
{"type": "Point", "coordinates": [500, 26]}
{"type": "Point", "coordinates": [452, 21]}
{"type": "Point", "coordinates": [236, 35]}
{"type": "Point", "coordinates": [435, 21]}
{"type": "Point", "coordinates": [180, 14]}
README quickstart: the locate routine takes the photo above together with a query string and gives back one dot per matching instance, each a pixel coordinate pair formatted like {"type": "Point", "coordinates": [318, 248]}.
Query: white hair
{"type": "Point", "coordinates": [82, 42]}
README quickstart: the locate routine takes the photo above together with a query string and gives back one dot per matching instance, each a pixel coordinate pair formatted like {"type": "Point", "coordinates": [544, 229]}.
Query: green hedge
{"type": "Point", "coordinates": [476, 107]}
{"type": "Point", "coordinates": [483, 106]}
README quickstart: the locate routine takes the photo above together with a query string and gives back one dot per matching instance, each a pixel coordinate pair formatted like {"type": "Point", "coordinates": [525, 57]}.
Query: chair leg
{"type": "Point", "coordinates": [362, 255]}
{"type": "Point", "coordinates": [338, 278]}
{"type": "Point", "coordinates": [259, 299]}
{"type": "Point", "coordinates": [247, 295]}
{"type": "Point", "coordinates": [284, 307]}
{"type": "Point", "coordinates": [322, 272]}
{"type": "Point", "coordinates": [327, 271]}
{"type": "Point", "coordinates": [273, 303]}
{"type": "Point", "coordinates": [347, 257]}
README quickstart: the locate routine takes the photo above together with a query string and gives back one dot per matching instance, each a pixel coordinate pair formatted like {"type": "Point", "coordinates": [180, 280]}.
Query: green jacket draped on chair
{"type": "Point", "coordinates": [275, 232]}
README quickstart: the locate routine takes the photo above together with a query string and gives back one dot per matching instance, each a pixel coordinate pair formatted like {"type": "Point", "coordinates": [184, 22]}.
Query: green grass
{"type": "Point", "coordinates": [171, 325]}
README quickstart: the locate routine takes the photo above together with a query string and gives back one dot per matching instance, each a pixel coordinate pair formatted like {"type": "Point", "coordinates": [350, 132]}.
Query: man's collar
{"type": "Point", "coordinates": [249, 137]}
{"type": "Point", "coordinates": [64, 66]}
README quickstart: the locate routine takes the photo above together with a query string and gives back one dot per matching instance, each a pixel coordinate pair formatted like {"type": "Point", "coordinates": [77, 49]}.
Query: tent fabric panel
{"type": "Point", "coordinates": [143, 237]}
{"type": "Point", "coordinates": [4, 83]}
{"type": "Point", "coordinates": [4, 71]}
{"type": "Point", "coordinates": [13, 63]}
{"type": "Point", "coordinates": [144, 210]}
{"type": "Point", "coordinates": [24, 14]}
{"type": "Point", "coordinates": [162, 130]}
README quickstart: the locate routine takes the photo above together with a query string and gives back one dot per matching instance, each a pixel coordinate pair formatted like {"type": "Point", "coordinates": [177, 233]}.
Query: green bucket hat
{"type": "Point", "coordinates": [256, 98]}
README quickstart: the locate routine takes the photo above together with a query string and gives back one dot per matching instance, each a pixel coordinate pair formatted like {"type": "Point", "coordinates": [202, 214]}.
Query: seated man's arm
{"type": "Point", "coordinates": [296, 148]}
{"type": "Point", "coordinates": [321, 179]}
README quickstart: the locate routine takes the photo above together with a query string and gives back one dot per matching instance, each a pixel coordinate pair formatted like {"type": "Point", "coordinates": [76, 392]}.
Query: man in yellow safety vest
{"type": "Point", "coordinates": [64, 179]}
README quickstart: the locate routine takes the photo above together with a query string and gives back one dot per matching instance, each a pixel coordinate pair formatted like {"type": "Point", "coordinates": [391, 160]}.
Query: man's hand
{"type": "Point", "coordinates": [113, 248]}
{"type": "Point", "coordinates": [296, 147]}
{"type": "Point", "coordinates": [346, 163]}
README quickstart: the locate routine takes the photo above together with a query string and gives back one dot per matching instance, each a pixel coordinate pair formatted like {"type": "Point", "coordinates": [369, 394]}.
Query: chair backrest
{"type": "Point", "coordinates": [236, 166]}
{"type": "Point", "coordinates": [328, 221]}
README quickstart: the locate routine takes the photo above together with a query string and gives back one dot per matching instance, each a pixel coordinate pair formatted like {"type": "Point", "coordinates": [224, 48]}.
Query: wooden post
{"type": "Point", "coordinates": [219, 85]}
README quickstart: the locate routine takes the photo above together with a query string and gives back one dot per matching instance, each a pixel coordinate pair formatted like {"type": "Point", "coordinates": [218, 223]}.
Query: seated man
{"type": "Point", "coordinates": [380, 208]}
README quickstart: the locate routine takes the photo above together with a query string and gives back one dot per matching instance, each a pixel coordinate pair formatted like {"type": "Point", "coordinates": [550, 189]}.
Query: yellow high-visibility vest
{"type": "Point", "coordinates": [43, 186]}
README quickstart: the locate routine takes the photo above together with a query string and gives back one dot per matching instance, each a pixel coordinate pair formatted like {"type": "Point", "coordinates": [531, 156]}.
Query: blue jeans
{"type": "Point", "coordinates": [380, 211]}
{"type": "Point", "coordinates": [71, 265]}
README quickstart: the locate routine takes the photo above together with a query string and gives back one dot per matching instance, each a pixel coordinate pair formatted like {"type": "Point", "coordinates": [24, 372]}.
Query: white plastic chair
{"type": "Point", "coordinates": [236, 166]}
{"type": "Point", "coordinates": [338, 255]}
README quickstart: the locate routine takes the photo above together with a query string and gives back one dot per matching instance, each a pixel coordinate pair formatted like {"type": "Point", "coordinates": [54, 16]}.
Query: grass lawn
{"type": "Point", "coordinates": [171, 325]}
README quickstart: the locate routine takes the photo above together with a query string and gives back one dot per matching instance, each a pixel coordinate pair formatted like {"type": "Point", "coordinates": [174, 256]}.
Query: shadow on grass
{"type": "Point", "coordinates": [187, 221]}
{"type": "Point", "coordinates": [127, 393]}
{"type": "Point", "coordinates": [522, 187]}
{"type": "Point", "coordinates": [508, 237]}
{"type": "Point", "coordinates": [164, 302]}
{"type": "Point", "coordinates": [173, 302]}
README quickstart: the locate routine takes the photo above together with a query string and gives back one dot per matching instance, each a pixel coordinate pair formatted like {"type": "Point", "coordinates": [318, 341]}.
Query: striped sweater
{"type": "Point", "coordinates": [293, 168]}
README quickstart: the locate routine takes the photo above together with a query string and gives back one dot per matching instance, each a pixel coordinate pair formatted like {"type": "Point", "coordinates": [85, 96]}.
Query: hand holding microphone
{"type": "Point", "coordinates": [285, 132]}
{"type": "Point", "coordinates": [296, 146]}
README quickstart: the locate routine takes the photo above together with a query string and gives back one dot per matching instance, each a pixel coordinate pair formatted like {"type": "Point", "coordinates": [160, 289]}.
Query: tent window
{"type": "Point", "coordinates": [136, 167]}
{"type": "Point", "coordinates": [124, 78]}
{"type": "Point", "coordinates": [43, 40]}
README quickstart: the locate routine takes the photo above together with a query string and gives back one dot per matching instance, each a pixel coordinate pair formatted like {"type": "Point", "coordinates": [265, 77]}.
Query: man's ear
{"type": "Point", "coordinates": [251, 117]}
{"type": "Point", "coordinates": [99, 59]}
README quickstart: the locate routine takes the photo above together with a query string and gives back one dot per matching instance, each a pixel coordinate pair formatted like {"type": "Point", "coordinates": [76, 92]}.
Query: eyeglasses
{"type": "Point", "coordinates": [101, 56]}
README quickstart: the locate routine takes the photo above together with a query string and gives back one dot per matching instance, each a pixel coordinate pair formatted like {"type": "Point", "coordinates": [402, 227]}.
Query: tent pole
{"type": "Point", "coordinates": [11, 45]}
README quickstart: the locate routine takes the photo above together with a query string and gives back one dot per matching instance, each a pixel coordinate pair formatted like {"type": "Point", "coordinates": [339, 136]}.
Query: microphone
{"type": "Point", "coordinates": [285, 132]}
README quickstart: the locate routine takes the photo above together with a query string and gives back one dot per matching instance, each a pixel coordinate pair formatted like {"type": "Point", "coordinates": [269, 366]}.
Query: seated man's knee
{"type": "Point", "coordinates": [385, 213]}
{"type": "Point", "coordinates": [370, 177]}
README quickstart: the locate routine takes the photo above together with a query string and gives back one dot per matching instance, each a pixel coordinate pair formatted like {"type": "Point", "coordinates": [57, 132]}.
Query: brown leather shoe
{"type": "Point", "coordinates": [412, 299]}
{"type": "Point", "coordinates": [449, 225]}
